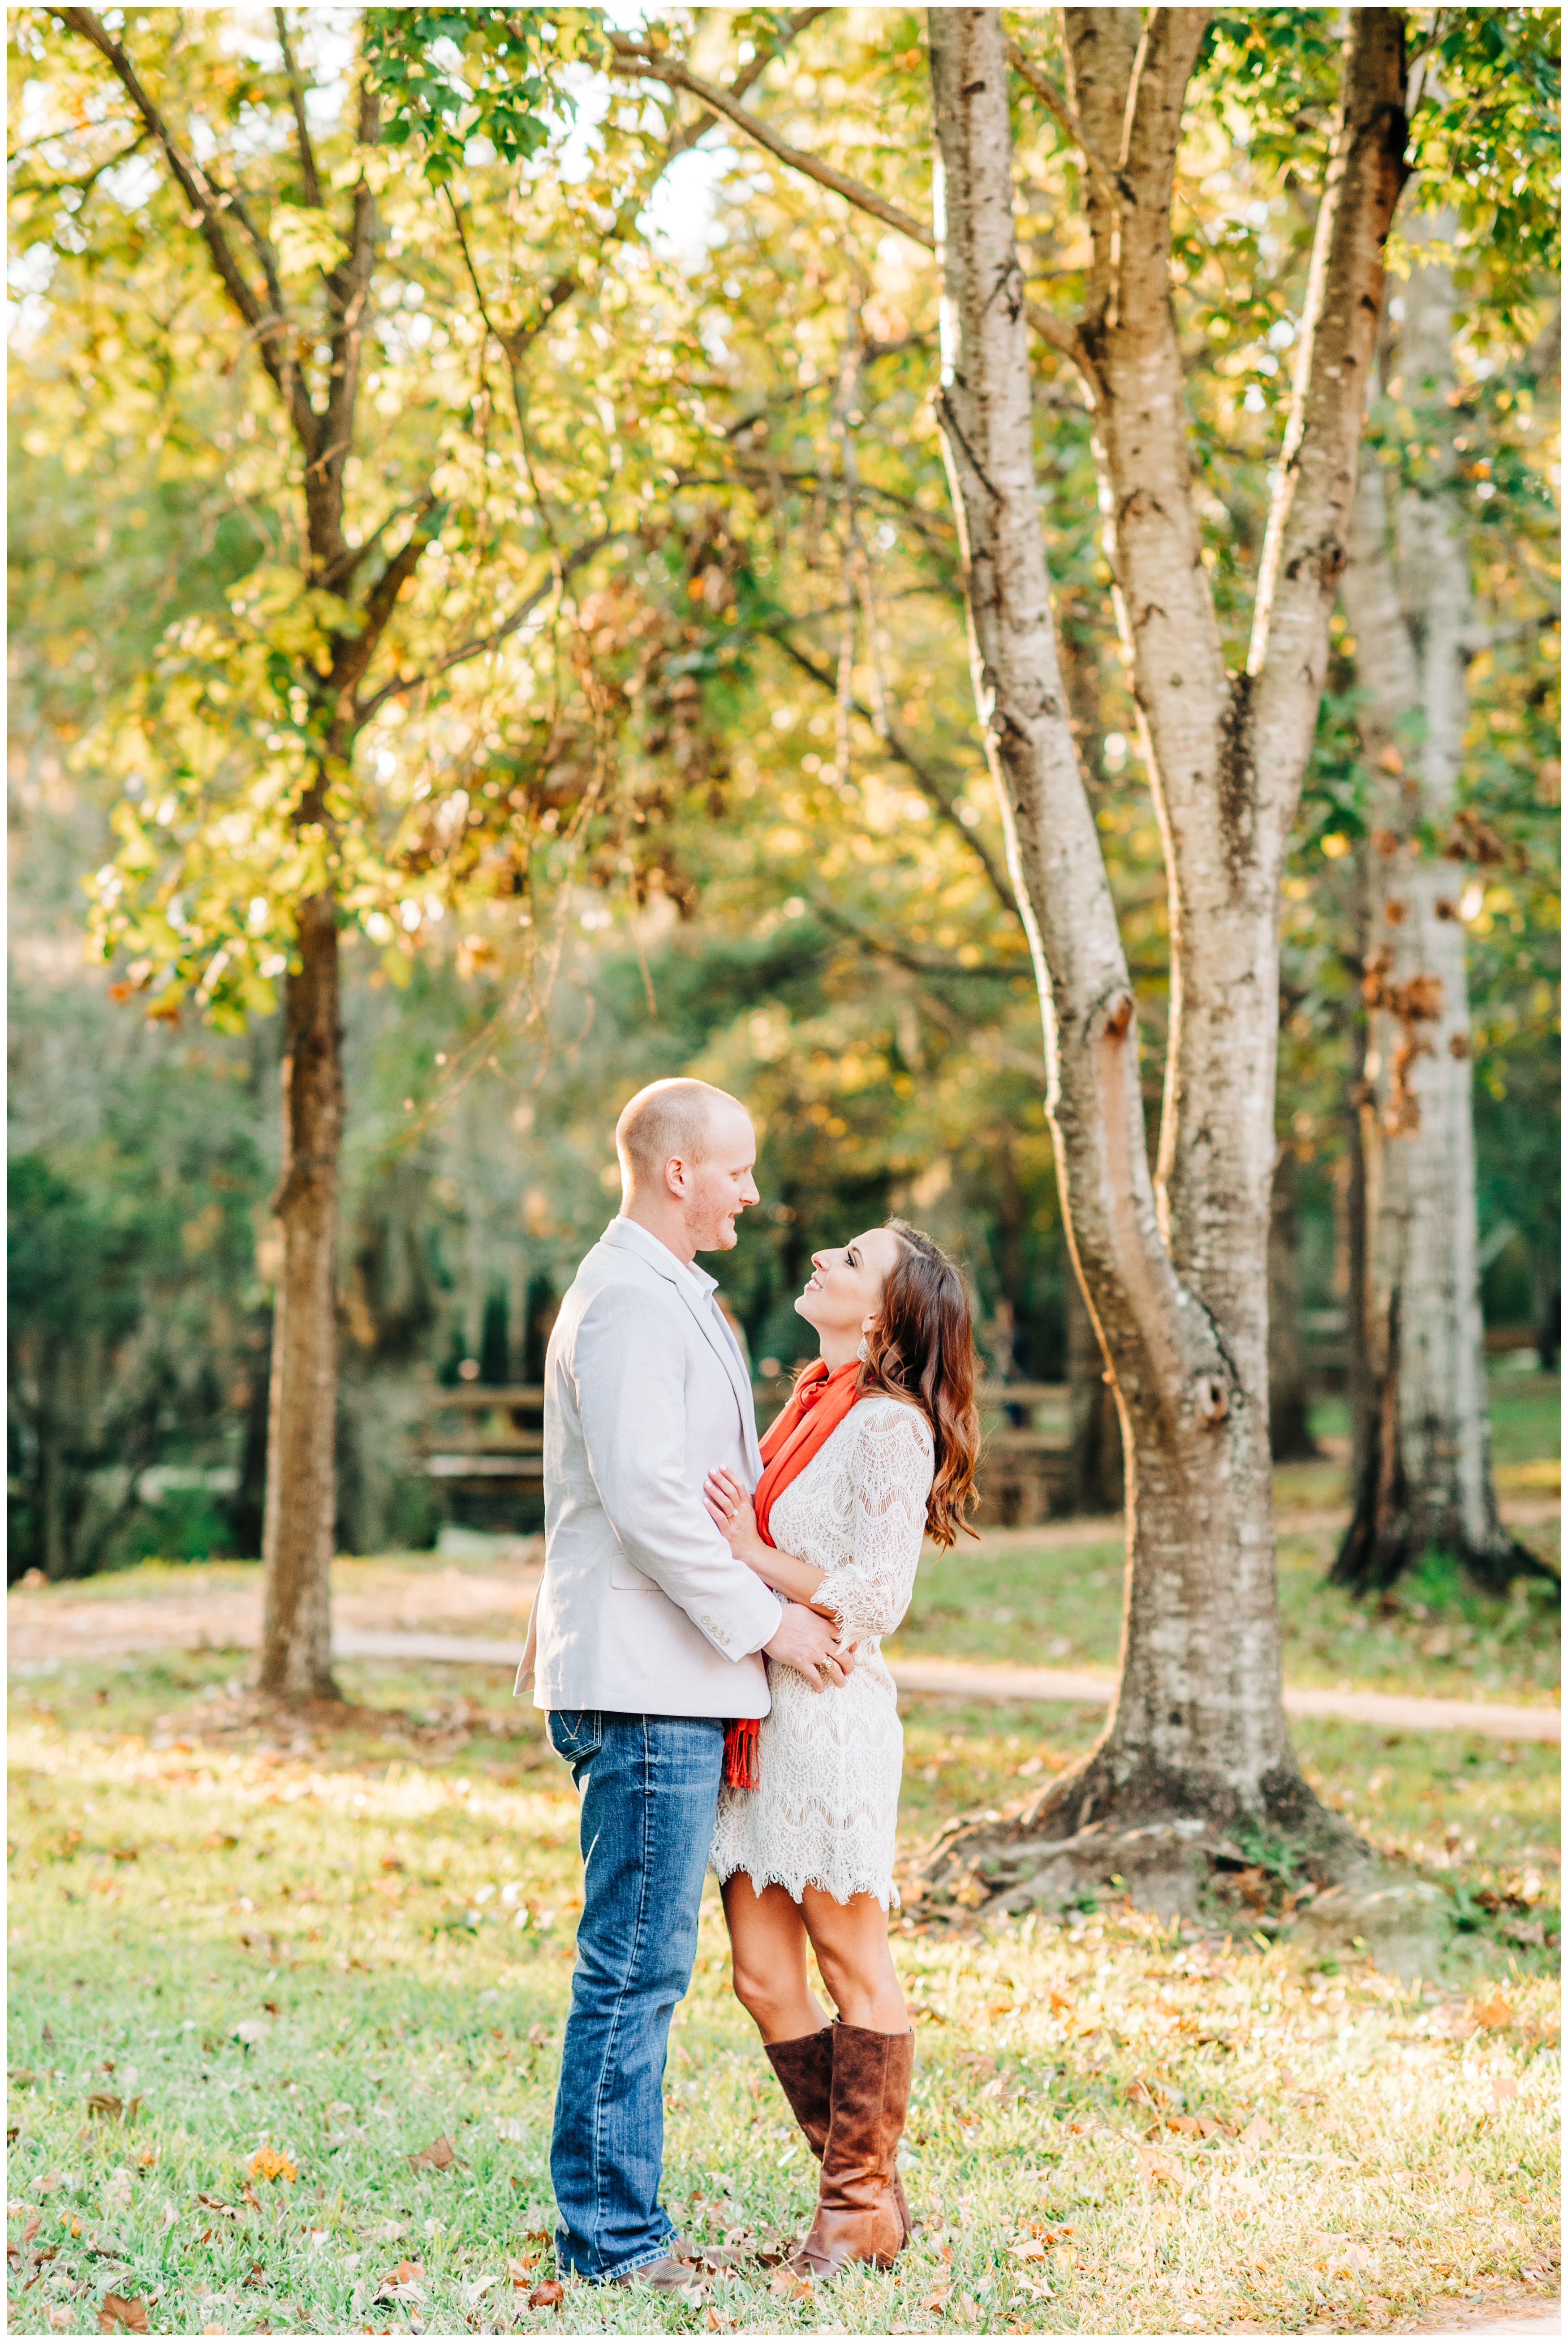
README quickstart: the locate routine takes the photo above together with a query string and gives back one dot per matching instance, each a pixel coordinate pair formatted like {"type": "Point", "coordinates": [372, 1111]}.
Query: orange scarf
{"type": "Point", "coordinates": [817, 1406]}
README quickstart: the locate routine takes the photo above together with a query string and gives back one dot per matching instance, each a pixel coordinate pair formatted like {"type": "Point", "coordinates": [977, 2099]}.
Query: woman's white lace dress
{"type": "Point", "coordinates": [829, 1762]}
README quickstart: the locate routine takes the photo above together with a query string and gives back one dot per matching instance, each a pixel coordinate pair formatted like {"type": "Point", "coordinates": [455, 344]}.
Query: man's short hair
{"type": "Point", "coordinates": [668, 1119]}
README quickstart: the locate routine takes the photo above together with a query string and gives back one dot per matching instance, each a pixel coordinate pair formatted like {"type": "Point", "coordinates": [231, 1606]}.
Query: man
{"type": "Point", "coordinates": [649, 1635]}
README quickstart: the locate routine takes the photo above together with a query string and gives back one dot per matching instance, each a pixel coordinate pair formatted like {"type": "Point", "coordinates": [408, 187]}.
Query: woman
{"type": "Point", "coordinates": [875, 1449]}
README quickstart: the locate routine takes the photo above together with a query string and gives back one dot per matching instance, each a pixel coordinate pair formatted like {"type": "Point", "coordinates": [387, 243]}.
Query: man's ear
{"type": "Point", "coordinates": [675, 1176]}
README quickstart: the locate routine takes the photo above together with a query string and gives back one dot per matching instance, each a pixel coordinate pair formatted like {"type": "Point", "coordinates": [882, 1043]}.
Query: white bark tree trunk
{"type": "Point", "coordinates": [1175, 1272]}
{"type": "Point", "coordinates": [1424, 1450]}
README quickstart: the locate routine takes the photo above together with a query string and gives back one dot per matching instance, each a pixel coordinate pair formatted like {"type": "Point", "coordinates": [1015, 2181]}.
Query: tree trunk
{"type": "Point", "coordinates": [1095, 1477]}
{"type": "Point", "coordinates": [1423, 1481]}
{"type": "Point", "coordinates": [1198, 1724]}
{"type": "Point", "coordinates": [53, 1544]}
{"type": "Point", "coordinates": [1176, 1280]}
{"type": "Point", "coordinates": [302, 1421]}
{"type": "Point", "coordinates": [1290, 1432]}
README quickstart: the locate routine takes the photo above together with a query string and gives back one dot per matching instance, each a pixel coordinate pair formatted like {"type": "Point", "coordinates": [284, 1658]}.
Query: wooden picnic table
{"type": "Point", "coordinates": [485, 1441]}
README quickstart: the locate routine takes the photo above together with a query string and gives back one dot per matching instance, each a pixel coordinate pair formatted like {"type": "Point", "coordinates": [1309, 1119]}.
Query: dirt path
{"type": "Point", "coordinates": [84, 1623]}
{"type": "Point", "coordinates": [382, 1614]}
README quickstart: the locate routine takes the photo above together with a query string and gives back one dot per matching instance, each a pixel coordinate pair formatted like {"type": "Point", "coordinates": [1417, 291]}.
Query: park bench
{"type": "Point", "coordinates": [483, 1444]}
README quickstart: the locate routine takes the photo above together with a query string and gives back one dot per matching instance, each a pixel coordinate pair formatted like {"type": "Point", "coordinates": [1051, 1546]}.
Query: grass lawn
{"type": "Point", "coordinates": [286, 2004]}
{"type": "Point", "coordinates": [1432, 1634]}
{"type": "Point", "coordinates": [256, 1972]}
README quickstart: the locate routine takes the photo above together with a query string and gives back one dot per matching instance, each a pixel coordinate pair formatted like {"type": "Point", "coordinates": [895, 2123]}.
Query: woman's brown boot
{"type": "Point", "coordinates": [804, 2071]}
{"type": "Point", "coordinates": [857, 2215]}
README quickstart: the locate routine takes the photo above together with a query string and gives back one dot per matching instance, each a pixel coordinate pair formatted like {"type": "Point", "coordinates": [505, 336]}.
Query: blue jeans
{"type": "Point", "coordinates": [650, 1788]}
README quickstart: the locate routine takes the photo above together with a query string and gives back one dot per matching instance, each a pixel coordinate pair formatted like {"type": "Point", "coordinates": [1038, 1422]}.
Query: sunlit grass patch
{"type": "Point", "coordinates": [331, 1951]}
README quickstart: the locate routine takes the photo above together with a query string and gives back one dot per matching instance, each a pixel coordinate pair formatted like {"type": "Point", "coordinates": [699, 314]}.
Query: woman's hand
{"type": "Point", "coordinates": [731, 1507]}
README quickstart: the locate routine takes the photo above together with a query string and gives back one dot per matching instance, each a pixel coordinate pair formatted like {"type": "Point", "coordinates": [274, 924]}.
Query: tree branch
{"type": "Point", "coordinates": [354, 652]}
{"type": "Point", "coordinates": [941, 800]}
{"type": "Point", "coordinates": [570, 562]}
{"type": "Point", "coordinates": [1314, 486]}
{"type": "Point", "coordinates": [269, 332]}
{"type": "Point", "coordinates": [86, 180]}
{"type": "Point", "coordinates": [302, 128]}
{"type": "Point", "coordinates": [742, 82]}
{"type": "Point", "coordinates": [1112, 184]}
{"type": "Point", "coordinates": [919, 963]}
{"type": "Point", "coordinates": [634, 58]}
{"type": "Point", "coordinates": [348, 291]}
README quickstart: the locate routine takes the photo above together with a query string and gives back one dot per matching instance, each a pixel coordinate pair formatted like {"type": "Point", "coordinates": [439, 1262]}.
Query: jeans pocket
{"type": "Point", "coordinates": [576, 1734]}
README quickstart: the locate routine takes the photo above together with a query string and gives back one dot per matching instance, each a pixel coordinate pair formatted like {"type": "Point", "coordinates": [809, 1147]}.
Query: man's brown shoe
{"type": "Point", "coordinates": [665, 2275]}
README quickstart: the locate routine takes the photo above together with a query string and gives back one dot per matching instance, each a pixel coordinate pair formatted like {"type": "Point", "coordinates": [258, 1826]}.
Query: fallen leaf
{"type": "Point", "coordinates": [105, 2102]}
{"type": "Point", "coordinates": [1188, 2124]}
{"type": "Point", "coordinates": [1503, 2090]}
{"type": "Point", "coordinates": [438, 2156]}
{"type": "Point", "coordinates": [1059, 2002]}
{"type": "Point", "coordinates": [548, 2296]}
{"type": "Point", "coordinates": [936, 2302]}
{"type": "Point", "coordinates": [403, 2283]}
{"type": "Point", "coordinates": [272, 2008]}
{"type": "Point", "coordinates": [1027, 2248]}
{"type": "Point", "coordinates": [1495, 2011]}
{"type": "Point", "coordinates": [118, 2316]}
{"type": "Point", "coordinates": [537, 2033]}
{"type": "Point", "coordinates": [125, 1854]}
{"type": "Point", "coordinates": [784, 2285]}
{"type": "Point", "coordinates": [216, 1840]}
{"type": "Point", "coordinates": [1159, 2170]}
{"type": "Point", "coordinates": [30, 2229]}
{"type": "Point", "coordinates": [1258, 2132]}
{"type": "Point", "coordinates": [270, 2163]}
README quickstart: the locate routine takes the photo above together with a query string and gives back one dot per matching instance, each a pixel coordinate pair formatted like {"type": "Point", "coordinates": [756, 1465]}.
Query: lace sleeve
{"type": "Point", "coordinates": [891, 1468]}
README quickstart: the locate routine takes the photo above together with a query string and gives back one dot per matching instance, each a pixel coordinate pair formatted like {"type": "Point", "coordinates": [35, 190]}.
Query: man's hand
{"type": "Point", "coordinates": [811, 1645]}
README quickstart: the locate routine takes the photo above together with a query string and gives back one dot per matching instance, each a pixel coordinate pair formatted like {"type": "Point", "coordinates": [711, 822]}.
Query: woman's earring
{"type": "Point", "coordinates": [864, 1351]}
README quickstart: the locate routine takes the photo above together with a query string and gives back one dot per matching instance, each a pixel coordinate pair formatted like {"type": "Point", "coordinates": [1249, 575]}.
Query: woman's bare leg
{"type": "Point", "coordinates": [767, 1945]}
{"type": "Point", "coordinates": [850, 1940]}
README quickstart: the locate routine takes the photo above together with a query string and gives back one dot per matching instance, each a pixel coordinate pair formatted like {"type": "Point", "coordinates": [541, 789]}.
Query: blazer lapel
{"type": "Point", "coordinates": [706, 1311]}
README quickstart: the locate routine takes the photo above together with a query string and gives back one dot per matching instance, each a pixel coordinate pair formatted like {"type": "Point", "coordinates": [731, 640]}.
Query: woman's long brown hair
{"type": "Point", "coordinates": [922, 1350]}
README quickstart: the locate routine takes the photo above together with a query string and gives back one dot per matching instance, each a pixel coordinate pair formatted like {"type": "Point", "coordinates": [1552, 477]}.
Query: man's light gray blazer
{"type": "Point", "coordinates": [643, 1609]}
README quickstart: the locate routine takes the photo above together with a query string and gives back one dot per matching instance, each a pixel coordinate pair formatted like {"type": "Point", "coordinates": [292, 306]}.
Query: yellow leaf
{"type": "Point", "coordinates": [269, 2163]}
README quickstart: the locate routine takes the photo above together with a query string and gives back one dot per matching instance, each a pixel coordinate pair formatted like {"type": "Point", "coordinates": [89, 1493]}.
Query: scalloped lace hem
{"type": "Point", "coordinates": [796, 1882]}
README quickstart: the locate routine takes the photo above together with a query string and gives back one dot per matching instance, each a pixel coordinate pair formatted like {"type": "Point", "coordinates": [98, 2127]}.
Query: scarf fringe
{"type": "Point", "coordinates": [743, 1740]}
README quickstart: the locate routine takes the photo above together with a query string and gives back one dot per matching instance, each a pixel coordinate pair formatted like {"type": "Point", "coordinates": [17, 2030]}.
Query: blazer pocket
{"type": "Point", "coordinates": [626, 1577]}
